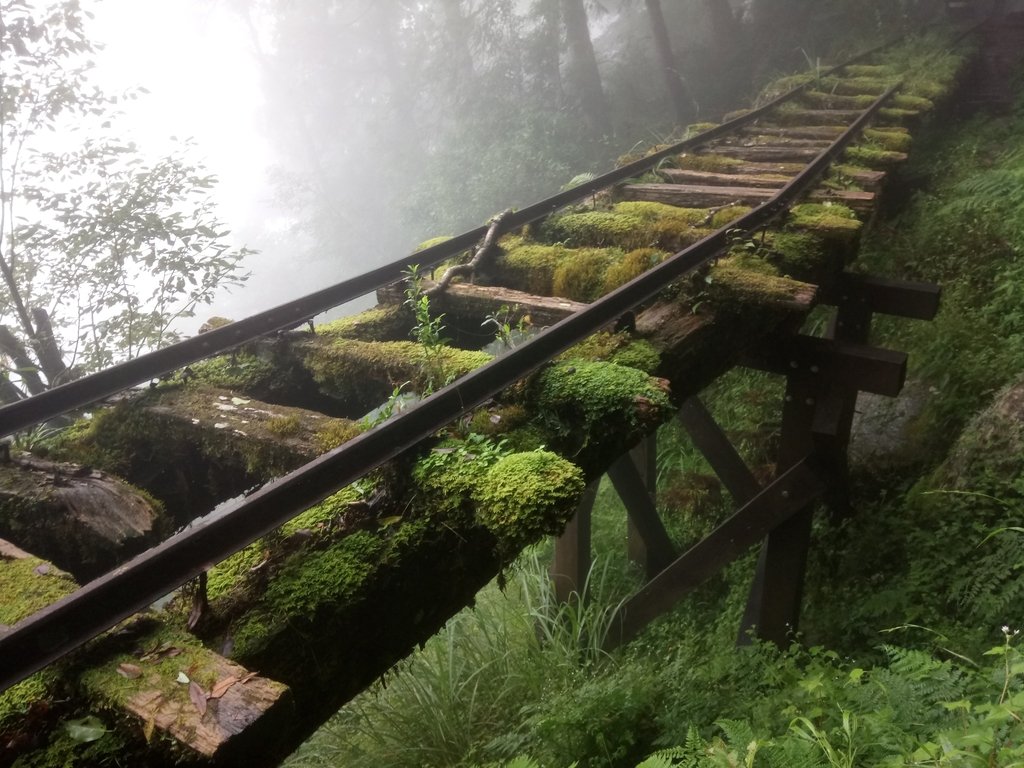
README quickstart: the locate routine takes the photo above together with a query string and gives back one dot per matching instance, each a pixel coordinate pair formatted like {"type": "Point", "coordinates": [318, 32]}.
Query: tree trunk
{"type": "Point", "coordinates": [582, 69]}
{"type": "Point", "coordinates": [682, 102]}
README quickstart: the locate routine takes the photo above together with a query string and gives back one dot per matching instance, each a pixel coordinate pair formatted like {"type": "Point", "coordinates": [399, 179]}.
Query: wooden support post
{"type": "Point", "coordinates": [571, 564]}
{"type": "Point", "coordinates": [713, 443]}
{"type": "Point", "coordinates": [630, 486]}
{"type": "Point", "coordinates": [645, 457]}
{"type": "Point", "coordinates": [791, 492]}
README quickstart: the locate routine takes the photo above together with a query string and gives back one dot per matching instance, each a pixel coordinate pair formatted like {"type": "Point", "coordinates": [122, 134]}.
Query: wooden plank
{"type": "Point", "coordinates": [776, 503]}
{"type": "Point", "coordinates": [645, 457]}
{"type": "Point", "coordinates": [570, 565]}
{"type": "Point", "coordinates": [694, 196]}
{"type": "Point", "coordinates": [805, 117]}
{"type": "Point", "coordinates": [714, 444]}
{"type": "Point", "coordinates": [640, 507]}
{"type": "Point", "coordinates": [680, 176]}
{"type": "Point", "coordinates": [767, 154]}
{"type": "Point", "coordinates": [831, 132]}
{"type": "Point", "coordinates": [777, 139]}
{"type": "Point", "coordinates": [480, 301]}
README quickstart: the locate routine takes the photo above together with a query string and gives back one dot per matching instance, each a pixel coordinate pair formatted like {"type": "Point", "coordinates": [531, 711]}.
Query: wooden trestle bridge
{"type": "Point", "coordinates": [321, 585]}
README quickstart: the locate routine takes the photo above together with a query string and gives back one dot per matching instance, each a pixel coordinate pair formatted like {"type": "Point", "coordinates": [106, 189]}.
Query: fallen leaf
{"type": "Point", "coordinates": [222, 686]}
{"type": "Point", "coordinates": [183, 678]}
{"type": "Point", "coordinates": [148, 728]}
{"type": "Point", "coordinates": [198, 696]}
{"type": "Point", "coordinates": [240, 401]}
{"type": "Point", "coordinates": [248, 677]}
{"type": "Point", "coordinates": [129, 670]}
{"type": "Point", "coordinates": [86, 729]}
{"type": "Point", "coordinates": [221, 425]}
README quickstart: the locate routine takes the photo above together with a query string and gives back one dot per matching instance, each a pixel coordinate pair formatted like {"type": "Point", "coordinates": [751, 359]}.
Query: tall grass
{"type": "Point", "coordinates": [446, 704]}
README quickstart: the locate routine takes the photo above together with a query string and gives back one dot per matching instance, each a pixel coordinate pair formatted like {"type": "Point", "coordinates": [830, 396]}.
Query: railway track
{"type": "Point", "coordinates": [697, 255]}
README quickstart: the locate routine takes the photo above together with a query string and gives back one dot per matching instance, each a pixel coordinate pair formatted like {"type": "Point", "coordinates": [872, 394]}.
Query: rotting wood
{"type": "Point", "coordinates": [695, 196]}
{"type": "Point", "coordinates": [708, 178]}
{"type": "Point", "coordinates": [83, 520]}
{"type": "Point", "coordinates": [762, 154]}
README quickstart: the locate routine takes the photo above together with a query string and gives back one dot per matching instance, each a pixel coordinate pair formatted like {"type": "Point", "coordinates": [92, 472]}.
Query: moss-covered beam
{"type": "Point", "coordinates": [193, 446]}
{"type": "Point", "coordinates": [695, 196]}
{"type": "Point", "coordinates": [83, 520]}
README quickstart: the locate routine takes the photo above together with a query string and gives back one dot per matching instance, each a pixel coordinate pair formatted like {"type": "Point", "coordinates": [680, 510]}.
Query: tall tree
{"type": "Point", "coordinates": [682, 102]}
{"type": "Point", "coordinates": [582, 71]}
{"type": "Point", "coordinates": [101, 250]}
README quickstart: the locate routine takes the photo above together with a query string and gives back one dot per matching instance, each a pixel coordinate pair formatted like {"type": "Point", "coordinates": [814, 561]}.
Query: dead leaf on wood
{"type": "Point", "coordinates": [222, 686]}
{"type": "Point", "coordinates": [198, 696]}
{"type": "Point", "coordinates": [129, 670]}
{"type": "Point", "coordinates": [42, 569]}
{"type": "Point", "coordinates": [248, 677]}
{"type": "Point", "coordinates": [149, 728]}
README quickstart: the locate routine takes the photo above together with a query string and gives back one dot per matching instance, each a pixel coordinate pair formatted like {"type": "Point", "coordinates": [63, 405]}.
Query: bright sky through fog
{"type": "Point", "coordinates": [196, 59]}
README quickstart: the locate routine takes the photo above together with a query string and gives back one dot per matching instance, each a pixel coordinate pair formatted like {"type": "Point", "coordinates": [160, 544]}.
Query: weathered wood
{"type": "Point", "coordinates": [474, 303]}
{"type": "Point", "coordinates": [714, 445]}
{"type": "Point", "coordinates": [776, 141]}
{"type": "Point", "coordinates": [772, 506]}
{"type": "Point", "coordinates": [918, 301]}
{"type": "Point", "coordinates": [168, 684]}
{"type": "Point", "coordinates": [816, 117]}
{"type": "Point", "coordinates": [694, 196]}
{"type": "Point", "coordinates": [645, 457]}
{"type": "Point", "coordinates": [707, 178]}
{"type": "Point", "coordinates": [83, 520]}
{"type": "Point", "coordinates": [632, 489]}
{"type": "Point", "coordinates": [570, 565]}
{"type": "Point", "coordinates": [802, 155]}
{"type": "Point", "coordinates": [830, 132]}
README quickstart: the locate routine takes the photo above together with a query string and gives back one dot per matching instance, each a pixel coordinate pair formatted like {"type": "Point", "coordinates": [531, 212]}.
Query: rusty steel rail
{"type": "Point", "coordinates": [60, 628]}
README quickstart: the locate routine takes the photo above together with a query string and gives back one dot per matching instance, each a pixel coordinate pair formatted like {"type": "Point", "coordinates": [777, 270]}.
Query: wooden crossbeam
{"type": "Point", "coordinates": [642, 513]}
{"type": "Point", "coordinates": [714, 444]}
{"type": "Point", "coordinates": [899, 298]}
{"type": "Point", "coordinates": [772, 506]}
{"type": "Point", "coordinates": [571, 563]}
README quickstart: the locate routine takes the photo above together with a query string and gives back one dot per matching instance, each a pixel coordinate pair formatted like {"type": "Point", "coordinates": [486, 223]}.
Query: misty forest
{"type": "Point", "coordinates": [715, 461]}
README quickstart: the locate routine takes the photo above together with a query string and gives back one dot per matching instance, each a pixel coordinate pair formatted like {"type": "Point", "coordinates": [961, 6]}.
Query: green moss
{"type": "Point", "coordinates": [796, 252]}
{"type": "Point", "coordinates": [432, 242]}
{"type": "Point", "coordinates": [728, 215]}
{"type": "Point", "coordinates": [528, 495]}
{"type": "Point", "coordinates": [873, 156]}
{"type": "Point", "coordinates": [895, 115]}
{"type": "Point", "coordinates": [16, 701]}
{"type": "Point", "coordinates": [855, 86]}
{"type": "Point", "coordinates": [620, 348]}
{"type": "Point", "coordinates": [385, 323]}
{"type": "Point", "coordinates": [28, 585]}
{"type": "Point", "coordinates": [870, 70]}
{"type": "Point", "coordinates": [695, 129]}
{"type": "Point", "coordinates": [284, 426]}
{"type": "Point", "coordinates": [912, 103]}
{"type": "Point", "coordinates": [239, 372]}
{"type": "Point", "coordinates": [306, 582]}
{"type": "Point", "coordinates": [362, 375]}
{"type": "Point", "coordinates": [576, 399]}
{"type": "Point", "coordinates": [596, 228]}
{"type": "Point", "coordinates": [337, 432]}
{"type": "Point", "coordinates": [498, 420]}
{"type": "Point", "coordinates": [580, 276]}
{"type": "Point", "coordinates": [729, 280]}
{"type": "Point", "coordinates": [632, 265]}
{"type": "Point", "coordinates": [531, 268]}
{"type": "Point", "coordinates": [708, 163]}
{"type": "Point", "coordinates": [823, 100]}
{"type": "Point", "coordinates": [892, 139]}
{"type": "Point", "coordinates": [64, 752]}
{"type": "Point", "coordinates": [829, 219]}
